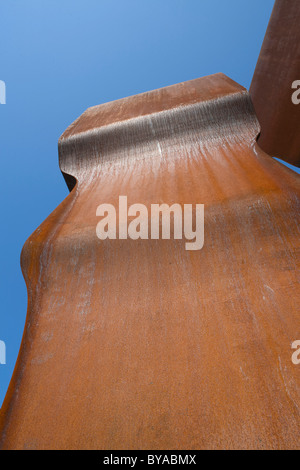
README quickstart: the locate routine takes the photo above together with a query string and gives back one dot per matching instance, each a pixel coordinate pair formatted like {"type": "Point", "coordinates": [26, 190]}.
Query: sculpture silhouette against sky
{"type": "Point", "coordinates": [141, 344]}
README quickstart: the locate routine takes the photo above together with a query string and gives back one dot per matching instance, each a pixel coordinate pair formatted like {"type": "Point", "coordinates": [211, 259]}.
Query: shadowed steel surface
{"type": "Point", "coordinates": [140, 344]}
{"type": "Point", "coordinates": [278, 67]}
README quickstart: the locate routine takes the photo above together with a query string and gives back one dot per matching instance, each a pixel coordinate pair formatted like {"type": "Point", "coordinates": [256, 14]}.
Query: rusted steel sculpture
{"type": "Point", "coordinates": [141, 344]}
{"type": "Point", "coordinates": [276, 80]}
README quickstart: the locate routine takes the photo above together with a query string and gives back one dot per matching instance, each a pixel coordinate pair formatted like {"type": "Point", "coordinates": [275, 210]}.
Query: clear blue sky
{"type": "Point", "coordinates": [59, 57]}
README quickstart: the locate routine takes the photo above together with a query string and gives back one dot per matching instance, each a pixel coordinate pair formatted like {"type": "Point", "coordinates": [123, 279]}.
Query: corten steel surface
{"type": "Point", "coordinates": [140, 344]}
{"type": "Point", "coordinates": [271, 90]}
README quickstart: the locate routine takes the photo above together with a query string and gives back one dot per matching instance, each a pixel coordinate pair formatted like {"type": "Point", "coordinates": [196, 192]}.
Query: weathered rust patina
{"type": "Point", "coordinates": [140, 344]}
{"type": "Point", "coordinates": [277, 69]}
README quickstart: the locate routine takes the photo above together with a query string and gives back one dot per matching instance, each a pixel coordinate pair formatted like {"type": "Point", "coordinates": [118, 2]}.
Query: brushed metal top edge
{"type": "Point", "coordinates": [163, 99]}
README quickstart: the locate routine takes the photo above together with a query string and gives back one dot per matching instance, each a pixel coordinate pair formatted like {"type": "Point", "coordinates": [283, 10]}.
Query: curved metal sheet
{"type": "Point", "coordinates": [275, 87]}
{"type": "Point", "coordinates": [140, 344]}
